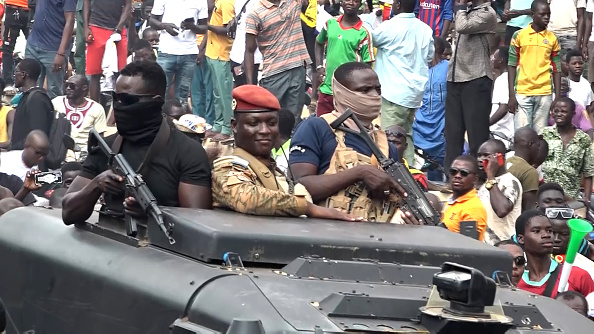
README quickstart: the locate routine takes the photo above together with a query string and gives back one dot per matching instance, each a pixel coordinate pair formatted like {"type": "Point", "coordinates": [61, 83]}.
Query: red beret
{"type": "Point", "coordinates": [252, 98]}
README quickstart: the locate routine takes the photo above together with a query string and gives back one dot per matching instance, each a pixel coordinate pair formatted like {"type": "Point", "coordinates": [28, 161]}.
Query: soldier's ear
{"type": "Point", "coordinates": [234, 125]}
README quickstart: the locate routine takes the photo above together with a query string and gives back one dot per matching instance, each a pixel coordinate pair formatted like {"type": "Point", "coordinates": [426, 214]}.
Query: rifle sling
{"type": "Point", "coordinates": [158, 145]}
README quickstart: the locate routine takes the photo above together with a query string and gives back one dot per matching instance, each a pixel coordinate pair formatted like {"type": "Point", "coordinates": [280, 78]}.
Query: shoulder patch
{"type": "Point", "coordinates": [237, 161]}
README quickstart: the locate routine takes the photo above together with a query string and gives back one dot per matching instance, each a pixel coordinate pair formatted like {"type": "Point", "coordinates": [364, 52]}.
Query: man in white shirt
{"type": "Point", "coordinates": [567, 22]}
{"type": "Point", "coordinates": [580, 90]}
{"type": "Point", "coordinates": [501, 121]}
{"type": "Point", "coordinates": [501, 194]}
{"type": "Point", "coordinates": [84, 114]}
{"type": "Point", "coordinates": [238, 49]}
{"type": "Point", "coordinates": [178, 49]}
{"type": "Point", "coordinates": [20, 162]}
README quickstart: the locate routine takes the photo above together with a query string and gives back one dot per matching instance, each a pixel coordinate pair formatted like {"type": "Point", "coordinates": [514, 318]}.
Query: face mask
{"type": "Point", "coordinates": [139, 122]}
{"type": "Point", "coordinates": [365, 106]}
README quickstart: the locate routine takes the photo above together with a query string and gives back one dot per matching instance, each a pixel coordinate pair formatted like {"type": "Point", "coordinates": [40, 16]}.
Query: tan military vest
{"type": "Point", "coordinates": [355, 199]}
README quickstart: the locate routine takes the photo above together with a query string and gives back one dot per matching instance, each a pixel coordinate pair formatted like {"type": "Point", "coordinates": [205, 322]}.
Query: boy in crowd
{"type": "Point", "coordinates": [530, 81]}
{"type": "Point", "coordinates": [579, 87]}
{"type": "Point", "coordinates": [535, 234]}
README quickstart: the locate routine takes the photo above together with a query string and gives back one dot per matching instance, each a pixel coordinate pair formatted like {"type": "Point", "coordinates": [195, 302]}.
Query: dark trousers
{"type": "Point", "coordinates": [17, 20]}
{"type": "Point", "coordinates": [309, 37]}
{"type": "Point", "coordinates": [468, 105]}
{"type": "Point", "coordinates": [509, 33]}
{"type": "Point", "coordinates": [241, 80]}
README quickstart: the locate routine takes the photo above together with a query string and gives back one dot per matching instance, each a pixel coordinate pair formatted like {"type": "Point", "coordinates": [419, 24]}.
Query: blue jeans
{"type": "Point", "coordinates": [202, 101]}
{"type": "Point", "coordinates": [55, 80]}
{"type": "Point", "coordinates": [533, 111]}
{"type": "Point", "coordinates": [182, 67]}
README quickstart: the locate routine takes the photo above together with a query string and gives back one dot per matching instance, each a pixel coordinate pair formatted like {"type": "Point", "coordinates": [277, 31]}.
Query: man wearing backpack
{"type": "Point", "coordinates": [35, 109]}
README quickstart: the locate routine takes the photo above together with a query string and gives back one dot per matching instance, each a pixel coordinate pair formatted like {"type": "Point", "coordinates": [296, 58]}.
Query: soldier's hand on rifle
{"type": "Point", "coordinates": [132, 208]}
{"type": "Point", "coordinates": [316, 211]}
{"type": "Point", "coordinates": [409, 219]}
{"type": "Point", "coordinates": [380, 184]}
{"type": "Point", "coordinates": [109, 182]}
{"type": "Point", "coordinates": [30, 180]}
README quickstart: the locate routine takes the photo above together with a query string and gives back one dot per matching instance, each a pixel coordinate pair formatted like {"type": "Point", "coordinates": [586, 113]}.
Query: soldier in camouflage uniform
{"type": "Point", "coordinates": [337, 167]}
{"type": "Point", "coordinates": [247, 181]}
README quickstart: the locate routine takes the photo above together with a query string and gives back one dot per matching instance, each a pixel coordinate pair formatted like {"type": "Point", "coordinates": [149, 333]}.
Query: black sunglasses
{"type": "Point", "coordinates": [395, 134]}
{"type": "Point", "coordinates": [70, 85]}
{"type": "Point", "coordinates": [128, 99]}
{"type": "Point", "coordinates": [463, 172]}
{"type": "Point", "coordinates": [520, 261]}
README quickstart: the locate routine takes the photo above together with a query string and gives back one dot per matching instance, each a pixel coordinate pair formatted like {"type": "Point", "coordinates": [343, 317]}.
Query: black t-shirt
{"type": "Point", "coordinates": [14, 184]}
{"type": "Point", "coordinates": [183, 160]}
{"type": "Point", "coordinates": [106, 13]}
{"type": "Point", "coordinates": [34, 111]}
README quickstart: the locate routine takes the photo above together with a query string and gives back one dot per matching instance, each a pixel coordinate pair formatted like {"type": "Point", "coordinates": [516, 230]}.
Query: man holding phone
{"type": "Point", "coordinates": [501, 194]}
{"type": "Point", "coordinates": [179, 23]}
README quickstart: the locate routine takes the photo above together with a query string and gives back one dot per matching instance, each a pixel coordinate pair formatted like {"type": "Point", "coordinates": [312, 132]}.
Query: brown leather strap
{"type": "Point", "coordinates": [265, 175]}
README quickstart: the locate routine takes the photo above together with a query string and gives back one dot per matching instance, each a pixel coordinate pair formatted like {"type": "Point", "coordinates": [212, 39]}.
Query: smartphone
{"type": "Point", "coordinates": [500, 161]}
{"type": "Point", "coordinates": [48, 177]}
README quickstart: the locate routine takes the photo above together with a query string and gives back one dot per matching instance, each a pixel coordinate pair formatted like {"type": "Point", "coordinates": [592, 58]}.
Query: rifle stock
{"type": "Point", "coordinates": [416, 202]}
{"type": "Point", "coordinates": [134, 184]}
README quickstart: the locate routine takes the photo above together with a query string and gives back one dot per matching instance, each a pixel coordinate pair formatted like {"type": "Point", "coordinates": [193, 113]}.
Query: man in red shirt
{"type": "Point", "coordinates": [534, 232]}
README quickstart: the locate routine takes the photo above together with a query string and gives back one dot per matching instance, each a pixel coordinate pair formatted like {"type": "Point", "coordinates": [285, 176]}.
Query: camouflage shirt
{"type": "Point", "coordinates": [565, 165]}
{"type": "Point", "coordinates": [237, 187]}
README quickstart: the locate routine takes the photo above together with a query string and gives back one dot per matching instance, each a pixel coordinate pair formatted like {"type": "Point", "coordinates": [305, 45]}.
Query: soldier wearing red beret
{"type": "Point", "coordinates": [248, 181]}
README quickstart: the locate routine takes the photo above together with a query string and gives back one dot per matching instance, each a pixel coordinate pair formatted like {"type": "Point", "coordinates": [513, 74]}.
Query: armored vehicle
{"type": "Point", "coordinates": [233, 273]}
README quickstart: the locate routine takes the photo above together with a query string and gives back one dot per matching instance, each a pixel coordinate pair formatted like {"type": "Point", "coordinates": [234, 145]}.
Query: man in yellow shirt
{"type": "Point", "coordinates": [533, 56]}
{"type": "Point", "coordinates": [218, 47]}
{"type": "Point", "coordinates": [464, 205]}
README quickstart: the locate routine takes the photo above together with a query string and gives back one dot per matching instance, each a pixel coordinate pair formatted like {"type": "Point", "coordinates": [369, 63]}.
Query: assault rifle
{"type": "Point", "coordinates": [416, 203]}
{"type": "Point", "coordinates": [135, 185]}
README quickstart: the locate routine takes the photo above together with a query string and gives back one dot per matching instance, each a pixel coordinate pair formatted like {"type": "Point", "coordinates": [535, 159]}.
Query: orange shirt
{"type": "Point", "coordinates": [17, 3]}
{"type": "Point", "coordinates": [467, 207]}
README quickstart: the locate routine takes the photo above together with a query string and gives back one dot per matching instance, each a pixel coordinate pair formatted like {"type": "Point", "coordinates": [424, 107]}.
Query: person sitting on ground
{"type": "Point", "coordinates": [280, 153]}
{"type": "Point", "coordinates": [334, 164]}
{"type": "Point", "coordinates": [501, 194]}
{"type": "Point", "coordinates": [570, 153]}
{"type": "Point", "coordinates": [247, 181]}
{"type": "Point", "coordinates": [7, 204]}
{"type": "Point", "coordinates": [575, 301]}
{"type": "Point", "coordinates": [173, 109]}
{"type": "Point", "coordinates": [397, 137]}
{"type": "Point", "coordinates": [541, 277]}
{"type": "Point", "coordinates": [464, 205]}
{"type": "Point", "coordinates": [34, 110]}
{"type": "Point", "coordinates": [519, 261]}
{"type": "Point", "coordinates": [175, 177]}
{"type": "Point", "coordinates": [84, 113]}
{"type": "Point", "coordinates": [527, 148]}
{"type": "Point", "coordinates": [20, 162]}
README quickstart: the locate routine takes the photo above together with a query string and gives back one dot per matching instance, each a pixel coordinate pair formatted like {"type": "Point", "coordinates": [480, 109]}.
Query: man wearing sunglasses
{"type": "Point", "coordinates": [397, 137]}
{"type": "Point", "coordinates": [174, 167]}
{"type": "Point", "coordinates": [519, 261]}
{"type": "Point", "coordinates": [84, 113]}
{"type": "Point", "coordinates": [464, 205]}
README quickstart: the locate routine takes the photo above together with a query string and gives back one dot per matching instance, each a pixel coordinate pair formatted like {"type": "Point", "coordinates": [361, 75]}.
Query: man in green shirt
{"type": "Point", "coordinates": [346, 40]}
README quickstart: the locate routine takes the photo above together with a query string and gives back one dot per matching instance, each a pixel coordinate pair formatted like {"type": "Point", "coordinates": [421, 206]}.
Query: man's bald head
{"type": "Point", "coordinates": [36, 148]}
{"type": "Point", "coordinates": [8, 204]}
{"type": "Point", "coordinates": [527, 143]}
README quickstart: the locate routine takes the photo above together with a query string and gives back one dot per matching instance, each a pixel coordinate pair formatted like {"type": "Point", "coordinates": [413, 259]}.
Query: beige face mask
{"type": "Point", "coordinates": [366, 107]}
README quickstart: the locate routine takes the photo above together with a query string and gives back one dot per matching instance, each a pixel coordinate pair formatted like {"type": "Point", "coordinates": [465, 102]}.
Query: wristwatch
{"type": "Point", "coordinates": [490, 184]}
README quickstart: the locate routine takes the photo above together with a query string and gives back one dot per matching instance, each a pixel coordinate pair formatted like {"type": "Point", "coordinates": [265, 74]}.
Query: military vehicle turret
{"type": "Point", "coordinates": [232, 273]}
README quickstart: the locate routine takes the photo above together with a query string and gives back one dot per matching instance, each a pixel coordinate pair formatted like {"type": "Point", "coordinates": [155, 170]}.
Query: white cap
{"type": "Point", "coordinates": [190, 123]}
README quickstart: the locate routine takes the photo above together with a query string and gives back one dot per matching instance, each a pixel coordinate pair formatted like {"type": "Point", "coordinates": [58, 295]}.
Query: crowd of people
{"type": "Point", "coordinates": [231, 104]}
